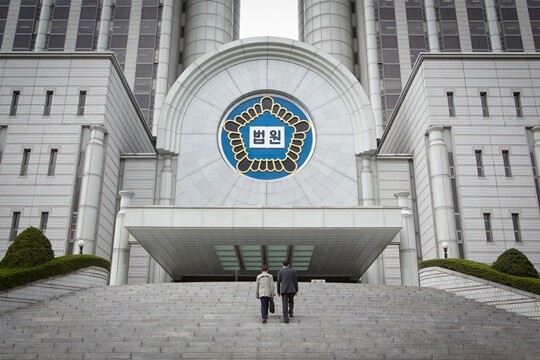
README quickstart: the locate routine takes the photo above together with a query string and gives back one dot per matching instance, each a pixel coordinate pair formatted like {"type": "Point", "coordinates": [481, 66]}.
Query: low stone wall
{"type": "Point", "coordinates": [501, 296]}
{"type": "Point", "coordinates": [53, 287]}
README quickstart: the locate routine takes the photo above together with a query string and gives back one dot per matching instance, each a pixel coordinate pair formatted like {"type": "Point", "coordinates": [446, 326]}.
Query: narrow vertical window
{"type": "Point", "coordinates": [25, 161]}
{"type": "Point", "coordinates": [517, 103]}
{"type": "Point", "coordinates": [14, 103]}
{"type": "Point", "coordinates": [487, 227]}
{"type": "Point", "coordinates": [451, 108]}
{"type": "Point", "coordinates": [483, 100]}
{"type": "Point", "coordinates": [82, 102]}
{"type": "Point", "coordinates": [44, 220]}
{"type": "Point", "coordinates": [536, 178]}
{"type": "Point", "coordinates": [52, 161]}
{"type": "Point", "coordinates": [14, 225]}
{"type": "Point", "coordinates": [479, 165]}
{"type": "Point", "coordinates": [48, 102]}
{"type": "Point", "coordinates": [506, 162]}
{"type": "Point", "coordinates": [515, 223]}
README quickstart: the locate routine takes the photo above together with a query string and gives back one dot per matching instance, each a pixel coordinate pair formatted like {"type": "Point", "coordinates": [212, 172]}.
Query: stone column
{"type": "Point", "coordinates": [408, 258]}
{"type": "Point", "coordinates": [91, 189]}
{"type": "Point", "coordinates": [162, 77]}
{"type": "Point", "coordinates": [44, 16]}
{"type": "Point", "coordinates": [441, 191]}
{"type": "Point", "coordinates": [368, 192]}
{"type": "Point", "coordinates": [328, 26]}
{"type": "Point", "coordinates": [157, 274]}
{"type": "Point", "coordinates": [431, 20]}
{"type": "Point", "coordinates": [203, 31]}
{"type": "Point", "coordinates": [121, 246]}
{"type": "Point", "coordinates": [493, 26]}
{"type": "Point", "coordinates": [106, 16]}
{"type": "Point", "coordinates": [375, 273]}
{"type": "Point", "coordinates": [373, 65]}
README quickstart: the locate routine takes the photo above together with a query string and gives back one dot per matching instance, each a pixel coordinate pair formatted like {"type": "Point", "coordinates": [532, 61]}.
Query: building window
{"type": "Point", "coordinates": [517, 103]}
{"type": "Point", "coordinates": [52, 161]}
{"type": "Point", "coordinates": [14, 103]}
{"type": "Point", "coordinates": [25, 161]}
{"type": "Point", "coordinates": [457, 215]}
{"type": "Point", "coordinates": [515, 223]}
{"type": "Point", "coordinates": [14, 225]}
{"type": "Point", "coordinates": [536, 178]}
{"type": "Point", "coordinates": [82, 103]}
{"type": "Point", "coordinates": [506, 162]}
{"type": "Point", "coordinates": [479, 164]}
{"type": "Point", "coordinates": [48, 102]}
{"type": "Point", "coordinates": [44, 220]}
{"type": "Point", "coordinates": [487, 227]}
{"type": "Point", "coordinates": [451, 108]}
{"type": "Point", "coordinates": [483, 100]}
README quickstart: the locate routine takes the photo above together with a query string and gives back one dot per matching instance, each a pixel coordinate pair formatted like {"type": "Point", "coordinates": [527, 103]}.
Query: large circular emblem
{"type": "Point", "coordinates": [266, 138]}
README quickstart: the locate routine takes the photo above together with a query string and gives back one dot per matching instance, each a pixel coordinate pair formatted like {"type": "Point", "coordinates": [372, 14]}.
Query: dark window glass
{"type": "Point", "coordinates": [484, 103]}
{"type": "Point", "coordinates": [87, 27]}
{"type": "Point", "coordinates": [27, 13]}
{"type": "Point", "coordinates": [120, 27]}
{"type": "Point", "coordinates": [144, 70]}
{"type": "Point", "coordinates": [147, 41]}
{"type": "Point", "coordinates": [43, 222]}
{"type": "Point", "coordinates": [515, 223]}
{"type": "Point", "coordinates": [56, 42]}
{"type": "Point", "coordinates": [59, 27]}
{"type": "Point", "coordinates": [534, 13]}
{"type": "Point", "coordinates": [388, 27]}
{"type": "Point", "coordinates": [451, 43]}
{"type": "Point", "coordinates": [514, 43]}
{"type": "Point", "coordinates": [118, 41]}
{"type": "Point", "coordinates": [52, 161]}
{"type": "Point", "coordinates": [487, 227]}
{"type": "Point", "coordinates": [506, 163]}
{"type": "Point", "coordinates": [389, 42]}
{"type": "Point", "coordinates": [417, 42]}
{"type": "Point", "coordinates": [475, 13]}
{"type": "Point", "coordinates": [479, 43]}
{"type": "Point", "coordinates": [82, 103]}
{"type": "Point", "coordinates": [25, 162]}
{"type": "Point", "coordinates": [387, 14]}
{"type": "Point", "coordinates": [447, 13]}
{"type": "Point", "coordinates": [511, 28]}
{"type": "Point", "coordinates": [14, 103]}
{"type": "Point", "coordinates": [148, 27]}
{"type": "Point", "coordinates": [450, 100]}
{"type": "Point", "coordinates": [509, 13]}
{"type": "Point", "coordinates": [22, 42]}
{"type": "Point", "coordinates": [25, 26]}
{"type": "Point", "coordinates": [414, 13]}
{"type": "Point", "coordinates": [14, 225]}
{"type": "Point", "coordinates": [415, 27]}
{"type": "Point", "coordinates": [143, 100]}
{"type": "Point", "coordinates": [122, 12]}
{"type": "Point", "coordinates": [149, 13]}
{"type": "Point", "coordinates": [479, 164]}
{"type": "Point", "coordinates": [477, 28]}
{"type": "Point", "coordinates": [61, 13]}
{"type": "Point", "coordinates": [84, 42]}
{"type": "Point", "coordinates": [517, 103]}
{"type": "Point", "coordinates": [391, 71]}
{"type": "Point", "coordinates": [88, 13]}
{"type": "Point", "coordinates": [48, 103]}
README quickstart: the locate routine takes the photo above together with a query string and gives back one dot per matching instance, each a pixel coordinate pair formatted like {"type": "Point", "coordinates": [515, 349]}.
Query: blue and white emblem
{"type": "Point", "coordinates": [266, 138]}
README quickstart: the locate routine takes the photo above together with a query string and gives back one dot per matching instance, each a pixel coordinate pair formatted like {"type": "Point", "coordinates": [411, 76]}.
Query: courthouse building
{"type": "Point", "coordinates": [149, 133]}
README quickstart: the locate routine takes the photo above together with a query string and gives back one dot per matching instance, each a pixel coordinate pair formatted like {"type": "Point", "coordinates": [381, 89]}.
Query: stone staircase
{"type": "Point", "coordinates": [218, 320]}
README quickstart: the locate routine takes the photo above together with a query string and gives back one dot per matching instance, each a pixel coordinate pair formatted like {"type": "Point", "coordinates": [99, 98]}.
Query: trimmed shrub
{"type": "Point", "coordinates": [30, 248]}
{"type": "Point", "coordinates": [514, 262]}
{"type": "Point", "coordinates": [10, 278]}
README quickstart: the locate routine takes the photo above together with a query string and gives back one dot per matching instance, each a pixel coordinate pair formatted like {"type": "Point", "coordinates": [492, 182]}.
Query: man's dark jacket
{"type": "Point", "coordinates": [287, 283]}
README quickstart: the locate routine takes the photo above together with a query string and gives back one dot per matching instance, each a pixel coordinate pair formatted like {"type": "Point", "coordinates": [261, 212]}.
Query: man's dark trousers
{"type": "Point", "coordinates": [287, 302]}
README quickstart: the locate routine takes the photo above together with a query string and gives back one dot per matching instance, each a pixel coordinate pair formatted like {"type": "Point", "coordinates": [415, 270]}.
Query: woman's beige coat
{"type": "Point", "coordinates": [265, 285]}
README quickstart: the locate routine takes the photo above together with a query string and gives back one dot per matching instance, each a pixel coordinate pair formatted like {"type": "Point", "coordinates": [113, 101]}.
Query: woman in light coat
{"type": "Point", "coordinates": [265, 291]}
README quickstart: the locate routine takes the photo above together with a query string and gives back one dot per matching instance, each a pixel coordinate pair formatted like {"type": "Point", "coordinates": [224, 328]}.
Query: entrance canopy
{"type": "Point", "coordinates": [219, 242]}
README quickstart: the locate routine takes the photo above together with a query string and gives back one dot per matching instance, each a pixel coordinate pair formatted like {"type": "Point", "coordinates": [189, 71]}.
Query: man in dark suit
{"type": "Point", "coordinates": [287, 287]}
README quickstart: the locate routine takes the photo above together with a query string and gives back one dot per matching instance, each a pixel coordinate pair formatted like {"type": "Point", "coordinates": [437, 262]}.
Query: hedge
{"type": "Point", "coordinates": [10, 278]}
{"type": "Point", "coordinates": [485, 272]}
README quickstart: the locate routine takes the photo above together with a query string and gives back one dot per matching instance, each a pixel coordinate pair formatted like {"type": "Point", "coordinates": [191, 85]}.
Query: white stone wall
{"type": "Point", "coordinates": [424, 104]}
{"type": "Point", "coordinates": [52, 288]}
{"type": "Point", "coordinates": [500, 296]}
{"type": "Point", "coordinates": [108, 102]}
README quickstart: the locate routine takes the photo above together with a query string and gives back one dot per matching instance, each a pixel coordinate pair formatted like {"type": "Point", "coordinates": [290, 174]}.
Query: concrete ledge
{"type": "Point", "coordinates": [500, 296]}
{"type": "Point", "coordinates": [53, 287]}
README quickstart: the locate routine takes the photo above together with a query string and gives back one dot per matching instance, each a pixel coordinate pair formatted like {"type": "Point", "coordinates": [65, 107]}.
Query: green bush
{"type": "Point", "coordinates": [485, 272]}
{"type": "Point", "coordinates": [514, 262]}
{"type": "Point", "coordinates": [30, 248]}
{"type": "Point", "coordinates": [10, 278]}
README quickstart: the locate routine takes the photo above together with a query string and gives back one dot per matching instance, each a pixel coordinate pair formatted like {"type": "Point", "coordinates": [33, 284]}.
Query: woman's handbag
{"type": "Point", "coordinates": [272, 306]}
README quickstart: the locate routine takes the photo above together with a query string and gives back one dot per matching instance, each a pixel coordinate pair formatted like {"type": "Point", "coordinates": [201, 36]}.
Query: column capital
{"type": "Point", "coordinates": [434, 128]}
{"type": "Point", "coordinates": [98, 127]}
{"type": "Point", "coordinates": [536, 129]}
